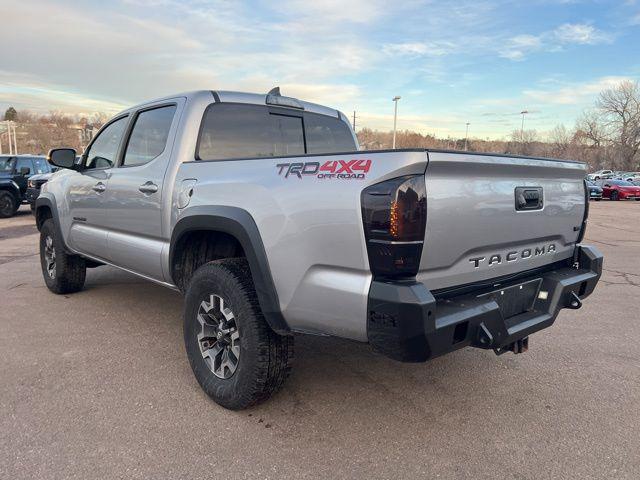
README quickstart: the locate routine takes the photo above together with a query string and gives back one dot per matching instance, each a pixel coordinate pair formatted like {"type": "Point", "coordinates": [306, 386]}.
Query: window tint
{"type": "Point", "coordinates": [41, 165]}
{"type": "Point", "coordinates": [149, 136]}
{"type": "Point", "coordinates": [327, 134]}
{"type": "Point", "coordinates": [286, 134]}
{"type": "Point", "coordinates": [103, 151]}
{"type": "Point", "coordinates": [248, 131]}
{"type": "Point", "coordinates": [24, 162]}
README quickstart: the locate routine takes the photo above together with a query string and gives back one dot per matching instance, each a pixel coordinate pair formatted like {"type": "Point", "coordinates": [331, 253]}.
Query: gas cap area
{"type": "Point", "coordinates": [186, 192]}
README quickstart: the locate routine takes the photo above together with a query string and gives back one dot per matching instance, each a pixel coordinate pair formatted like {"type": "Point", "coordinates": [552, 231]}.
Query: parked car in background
{"type": "Point", "coordinates": [619, 190]}
{"type": "Point", "coordinates": [600, 174]}
{"type": "Point", "coordinates": [15, 172]}
{"type": "Point", "coordinates": [633, 177]}
{"type": "Point", "coordinates": [34, 185]}
{"type": "Point", "coordinates": [595, 191]}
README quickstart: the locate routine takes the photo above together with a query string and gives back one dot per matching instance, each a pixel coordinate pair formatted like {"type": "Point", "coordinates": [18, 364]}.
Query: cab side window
{"type": "Point", "coordinates": [149, 135]}
{"type": "Point", "coordinates": [102, 152]}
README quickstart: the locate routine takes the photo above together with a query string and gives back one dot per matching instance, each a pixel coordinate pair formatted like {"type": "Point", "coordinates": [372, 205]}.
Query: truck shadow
{"type": "Point", "coordinates": [329, 374]}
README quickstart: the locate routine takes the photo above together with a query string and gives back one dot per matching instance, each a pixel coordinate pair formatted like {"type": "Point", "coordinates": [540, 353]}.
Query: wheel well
{"type": "Point", "coordinates": [42, 215]}
{"type": "Point", "coordinates": [197, 247]}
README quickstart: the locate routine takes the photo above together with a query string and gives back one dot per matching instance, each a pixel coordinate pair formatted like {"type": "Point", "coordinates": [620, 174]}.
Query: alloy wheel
{"type": "Point", "coordinates": [50, 256]}
{"type": "Point", "coordinates": [218, 338]}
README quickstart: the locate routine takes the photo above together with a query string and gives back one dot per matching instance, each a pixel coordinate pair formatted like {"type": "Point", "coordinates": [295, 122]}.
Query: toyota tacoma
{"type": "Point", "coordinates": [264, 213]}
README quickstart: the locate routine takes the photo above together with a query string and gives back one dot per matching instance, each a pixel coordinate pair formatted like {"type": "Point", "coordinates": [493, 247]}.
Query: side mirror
{"type": "Point", "coordinates": [24, 171]}
{"type": "Point", "coordinates": [62, 157]}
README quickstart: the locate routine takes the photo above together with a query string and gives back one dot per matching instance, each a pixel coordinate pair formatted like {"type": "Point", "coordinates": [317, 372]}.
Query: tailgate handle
{"type": "Point", "coordinates": [529, 198]}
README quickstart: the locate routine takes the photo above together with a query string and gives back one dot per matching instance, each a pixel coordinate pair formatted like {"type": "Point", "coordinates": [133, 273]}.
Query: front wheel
{"type": "Point", "coordinates": [235, 356]}
{"type": "Point", "coordinates": [62, 272]}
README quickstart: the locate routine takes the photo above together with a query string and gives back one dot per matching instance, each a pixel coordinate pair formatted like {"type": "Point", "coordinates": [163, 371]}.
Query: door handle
{"type": "Point", "coordinates": [148, 187]}
{"type": "Point", "coordinates": [99, 187]}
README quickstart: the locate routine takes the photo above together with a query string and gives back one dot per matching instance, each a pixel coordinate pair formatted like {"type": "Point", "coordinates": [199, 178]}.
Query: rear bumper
{"type": "Point", "coordinates": [407, 323]}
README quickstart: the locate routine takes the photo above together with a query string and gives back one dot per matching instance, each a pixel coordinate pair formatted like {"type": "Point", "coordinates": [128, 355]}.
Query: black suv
{"type": "Point", "coordinates": [15, 171]}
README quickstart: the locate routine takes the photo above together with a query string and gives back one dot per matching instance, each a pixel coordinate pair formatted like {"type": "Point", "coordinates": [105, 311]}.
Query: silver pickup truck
{"type": "Point", "coordinates": [264, 213]}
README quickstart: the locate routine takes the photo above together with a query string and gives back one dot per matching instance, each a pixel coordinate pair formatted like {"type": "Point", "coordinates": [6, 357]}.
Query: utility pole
{"type": "Point", "coordinates": [354, 120]}
{"type": "Point", "coordinates": [10, 138]}
{"type": "Point", "coordinates": [523, 113]}
{"type": "Point", "coordinates": [395, 119]}
{"type": "Point", "coordinates": [15, 142]}
{"type": "Point", "coordinates": [466, 136]}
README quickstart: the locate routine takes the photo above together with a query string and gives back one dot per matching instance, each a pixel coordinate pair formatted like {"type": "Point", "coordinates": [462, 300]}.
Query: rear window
{"type": "Point", "coordinates": [252, 131]}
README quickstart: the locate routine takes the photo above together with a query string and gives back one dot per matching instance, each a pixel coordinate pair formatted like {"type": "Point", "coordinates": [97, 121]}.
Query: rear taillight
{"type": "Point", "coordinates": [394, 213]}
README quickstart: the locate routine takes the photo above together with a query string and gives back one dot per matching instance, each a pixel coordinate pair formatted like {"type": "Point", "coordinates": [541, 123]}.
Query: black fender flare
{"type": "Point", "coordinates": [11, 186]}
{"type": "Point", "coordinates": [48, 201]}
{"type": "Point", "coordinates": [240, 224]}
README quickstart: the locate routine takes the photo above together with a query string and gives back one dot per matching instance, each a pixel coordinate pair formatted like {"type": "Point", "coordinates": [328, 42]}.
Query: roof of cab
{"type": "Point", "coordinates": [235, 97]}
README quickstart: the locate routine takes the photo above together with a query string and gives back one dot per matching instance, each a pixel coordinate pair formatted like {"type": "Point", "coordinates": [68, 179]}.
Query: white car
{"type": "Point", "coordinates": [600, 174]}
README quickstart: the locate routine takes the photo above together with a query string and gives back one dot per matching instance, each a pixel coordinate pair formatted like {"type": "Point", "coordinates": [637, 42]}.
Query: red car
{"type": "Point", "coordinates": [619, 190]}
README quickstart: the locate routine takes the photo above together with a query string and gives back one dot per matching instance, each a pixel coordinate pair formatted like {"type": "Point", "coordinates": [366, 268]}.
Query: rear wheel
{"type": "Point", "coordinates": [615, 196]}
{"type": "Point", "coordinates": [236, 358]}
{"type": "Point", "coordinates": [8, 204]}
{"type": "Point", "coordinates": [62, 272]}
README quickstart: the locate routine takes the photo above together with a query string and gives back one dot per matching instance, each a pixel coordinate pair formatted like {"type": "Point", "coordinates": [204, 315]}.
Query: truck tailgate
{"type": "Point", "coordinates": [492, 216]}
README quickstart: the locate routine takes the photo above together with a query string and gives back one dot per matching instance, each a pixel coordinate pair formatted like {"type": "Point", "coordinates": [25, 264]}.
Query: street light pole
{"type": "Point", "coordinates": [466, 136]}
{"type": "Point", "coordinates": [395, 119]}
{"type": "Point", "coordinates": [523, 113]}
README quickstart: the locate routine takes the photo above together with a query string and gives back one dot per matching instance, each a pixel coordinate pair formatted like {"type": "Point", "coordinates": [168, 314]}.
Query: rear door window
{"type": "Point", "coordinates": [149, 135]}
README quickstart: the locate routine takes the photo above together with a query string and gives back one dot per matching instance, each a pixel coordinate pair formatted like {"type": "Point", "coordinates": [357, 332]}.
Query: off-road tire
{"type": "Point", "coordinates": [265, 357]}
{"type": "Point", "coordinates": [8, 204]}
{"type": "Point", "coordinates": [70, 270]}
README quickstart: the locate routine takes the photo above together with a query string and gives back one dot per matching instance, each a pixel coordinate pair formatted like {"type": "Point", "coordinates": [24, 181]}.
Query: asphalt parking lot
{"type": "Point", "coordinates": [97, 385]}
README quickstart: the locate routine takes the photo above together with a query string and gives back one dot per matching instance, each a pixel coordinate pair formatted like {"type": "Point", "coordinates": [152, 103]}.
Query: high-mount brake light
{"type": "Point", "coordinates": [275, 98]}
{"type": "Point", "coordinates": [394, 213]}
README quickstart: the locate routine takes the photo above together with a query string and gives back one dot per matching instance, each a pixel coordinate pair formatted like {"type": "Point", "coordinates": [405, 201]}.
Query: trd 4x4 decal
{"type": "Point", "coordinates": [341, 169]}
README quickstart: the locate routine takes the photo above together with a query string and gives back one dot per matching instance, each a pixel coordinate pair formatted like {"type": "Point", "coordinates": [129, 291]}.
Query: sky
{"type": "Point", "coordinates": [452, 62]}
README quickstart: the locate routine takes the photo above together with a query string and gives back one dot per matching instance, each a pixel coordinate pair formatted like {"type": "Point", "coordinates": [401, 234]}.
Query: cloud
{"type": "Point", "coordinates": [581, 34]}
{"type": "Point", "coordinates": [518, 47]}
{"type": "Point", "coordinates": [437, 48]}
{"type": "Point", "coordinates": [573, 93]}
{"type": "Point", "coordinates": [35, 95]}
{"type": "Point", "coordinates": [152, 48]}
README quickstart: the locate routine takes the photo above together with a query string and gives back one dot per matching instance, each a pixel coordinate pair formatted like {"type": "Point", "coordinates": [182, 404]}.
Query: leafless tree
{"type": "Point", "coordinates": [619, 109]}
